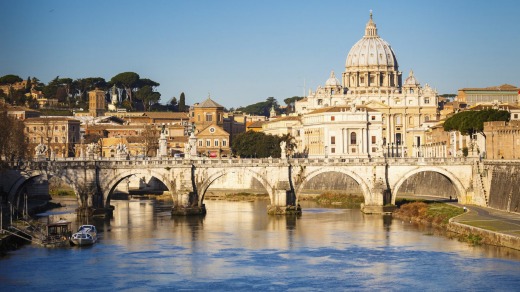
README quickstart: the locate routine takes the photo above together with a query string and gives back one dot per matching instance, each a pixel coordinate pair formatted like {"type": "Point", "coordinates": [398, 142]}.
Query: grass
{"type": "Point", "coordinates": [348, 201]}
{"type": "Point", "coordinates": [62, 193]}
{"type": "Point", "coordinates": [437, 214]}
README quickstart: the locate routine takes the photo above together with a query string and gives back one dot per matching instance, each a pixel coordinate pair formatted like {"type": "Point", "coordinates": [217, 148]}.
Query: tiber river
{"type": "Point", "coordinates": [237, 246]}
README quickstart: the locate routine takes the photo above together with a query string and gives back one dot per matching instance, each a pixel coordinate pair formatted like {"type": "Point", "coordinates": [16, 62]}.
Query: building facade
{"type": "Point", "coordinates": [372, 79]}
{"type": "Point", "coordinates": [59, 134]}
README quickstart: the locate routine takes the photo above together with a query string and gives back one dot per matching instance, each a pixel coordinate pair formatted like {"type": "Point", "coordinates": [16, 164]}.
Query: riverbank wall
{"type": "Point", "coordinates": [501, 180]}
{"type": "Point", "coordinates": [486, 236]}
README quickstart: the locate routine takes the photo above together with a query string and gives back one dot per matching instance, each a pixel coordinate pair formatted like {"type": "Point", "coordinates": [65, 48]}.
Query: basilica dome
{"type": "Point", "coordinates": [371, 50]}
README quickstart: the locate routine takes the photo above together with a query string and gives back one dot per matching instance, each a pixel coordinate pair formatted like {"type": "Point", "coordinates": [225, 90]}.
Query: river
{"type": "Point", "coordinates": [237, 246]}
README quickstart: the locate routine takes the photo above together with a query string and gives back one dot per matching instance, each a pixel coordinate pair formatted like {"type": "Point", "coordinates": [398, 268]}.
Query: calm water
{"type": "Point", "coordinates": [237, 246]}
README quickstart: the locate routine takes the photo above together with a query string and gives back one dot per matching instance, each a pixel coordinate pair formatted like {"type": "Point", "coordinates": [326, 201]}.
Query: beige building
{"type": "Point", "coordinates": [59, 134]}
{"type": "Point", "coordinates": [206, 113]}
{"type": "Point", "coordinates": [372, 79]}
{"type": "Point", "coordinates": [504, 93]}
{"type": "Point", "coordinates": [502, 140]}
{"type": "Point", "coordinates": [213, 141]}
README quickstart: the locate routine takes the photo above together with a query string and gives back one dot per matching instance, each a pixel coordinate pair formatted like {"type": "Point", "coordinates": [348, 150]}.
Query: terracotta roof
{"type": "Point", "coordinates": [257, 124]}
{"type": "Point", "coordinates": [288, 118]}
{"type": "Point", "coordinates": [167, 115]}
{"type": "Point", "coordinates": [208, 103]}
{"type": "Point", "coordinates": [51, 119]}
{"type": "Point", "coordinates": [504, 87]}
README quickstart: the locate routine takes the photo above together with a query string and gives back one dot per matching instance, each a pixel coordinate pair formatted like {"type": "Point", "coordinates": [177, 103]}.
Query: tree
{"type": "Point", "coordinates": [472, 122]}
{"type": "Point", "coordinates": [126, 80]}
{"type": "Point", "coordinates": [182, 103]}
{"type": "Point", "coordinates": [147, 96]}
{"type": "Point", "coordinates": [256, 144]}
{"type": "Point", "coordinates": [150, 137]}
{"type": "Point", "coordinates": [173, 104]}
{"type": "Point", "coordinates": [13, 145]}
{"type": "Point", "coordinates": [291, 101]}
{"type": "Point", "coordinates": [10, 79]}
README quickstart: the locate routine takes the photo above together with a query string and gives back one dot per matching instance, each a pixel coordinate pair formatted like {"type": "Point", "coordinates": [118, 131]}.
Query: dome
{"type": "Point", "coordinates": [332, 81]}
{"type": "Point", "coordinates": [371, 50]}
{"type": "Point", "coordinates": [411, 80]}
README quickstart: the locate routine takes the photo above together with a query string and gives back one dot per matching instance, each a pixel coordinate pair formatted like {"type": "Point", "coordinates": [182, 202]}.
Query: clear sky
{"type": "Point", "coordinates": [242, 52]}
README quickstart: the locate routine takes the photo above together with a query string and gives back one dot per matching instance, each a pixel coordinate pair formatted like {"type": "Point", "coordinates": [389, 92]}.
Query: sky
{"type": "Point", "coordinates": [242, 52]}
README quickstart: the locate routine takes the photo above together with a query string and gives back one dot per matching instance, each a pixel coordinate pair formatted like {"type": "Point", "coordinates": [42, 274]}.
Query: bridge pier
{"type": "Point", "coordinates": [284, 201]}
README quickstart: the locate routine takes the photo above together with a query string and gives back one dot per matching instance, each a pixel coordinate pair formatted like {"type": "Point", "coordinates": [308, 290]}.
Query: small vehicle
{"type": "Point", "coordinates": [86, 235]}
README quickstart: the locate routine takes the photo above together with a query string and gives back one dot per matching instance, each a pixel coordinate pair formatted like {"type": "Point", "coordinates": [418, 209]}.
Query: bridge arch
{"type": "Point", "coordinates": [459, 187]}
{"type": "Point", "coordinates": [212, 178]}
{"type": "Point", "coordinates": [108, 186]}
{"type": "Point", "coordinates": [27, 177]}
{"type": "Point", "coordinates": [358, 179]}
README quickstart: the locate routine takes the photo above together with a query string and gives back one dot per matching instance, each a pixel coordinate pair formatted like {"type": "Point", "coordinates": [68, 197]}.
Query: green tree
{"type": "Point", "coordinates": [128, 81]}
{"type": "Point", "coordinates": [472, 122]}
{"type": "Point", "coordinates": [172, 105]}
{"type": "Point", "coordinates": [182, 103]}
{"type": "Point", "coordinates": [256, 144]}
{"type": "Point", "coordinates": [291, 101]}
{"type": "Point", "coordinates": [10, 79]}
{"type": "Point", "coordinates": [147, 96]}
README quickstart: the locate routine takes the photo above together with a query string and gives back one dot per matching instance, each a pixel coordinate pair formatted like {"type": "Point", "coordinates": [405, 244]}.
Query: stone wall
{"type": "Point", "coordinates": [504, 190]}
{"type": "Point", "coordinates": [331, 182]}
{"type": "Point", "coordinates": [428, 183]}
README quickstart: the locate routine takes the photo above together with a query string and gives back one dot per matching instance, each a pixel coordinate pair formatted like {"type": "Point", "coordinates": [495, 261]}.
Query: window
{"type": "Point", "coordinates": [332, 150]}
{"type": "Point", "coordinates": [224, 142]}
{"type": "Point", "coordinates": [362, 80]}
{"type": "Point", "coordinates": [55, 128]}
{"type": "Point", "coordinates": [426, 100]}
{"type": "Point", "coordinates": [63, 128]}
{"type": "Point", "coordinates": [198, 118]}
{"type": "Point", "coordinates": [332, 118]}
{"type": "Point", "coordinates": [215, 143]}
{"type": "Point", "coordinates": [398, 120]}
{"type": "Point", "coordinates": [426, 118]}
{"type": "Point", "coordinates": [374, 149]}
{"type": "Point", "coordinates": [209, 117]}
{"type": "Point", "coordinates": [516, 116]}
{"type": "Point", "coordinates": [374, 140]}
{"type": "Point", "coordinates": [410, 120]}
{"type": "Point", "coordinates": [398, 138]}
{"type": "Point", "coordinates": [200, 143]}
{"type": "Point", "coordinates": [333, 140]}
{"type": "Point", "coordinates": [208, 142]}
{"type": "Point", "coordinates": [353, 138]}
{"type": "Point", "coordinates": [55, 139]}
{"type": "Point", "coordinates": [320, 101]}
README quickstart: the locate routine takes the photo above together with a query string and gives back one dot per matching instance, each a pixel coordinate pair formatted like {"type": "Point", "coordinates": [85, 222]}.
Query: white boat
{"type": "Point", "coordinates": [86, 235]}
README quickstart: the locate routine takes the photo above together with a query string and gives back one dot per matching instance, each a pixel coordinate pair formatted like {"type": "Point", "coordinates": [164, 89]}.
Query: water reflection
{"type": "Point", "coordinates": [237, 246]}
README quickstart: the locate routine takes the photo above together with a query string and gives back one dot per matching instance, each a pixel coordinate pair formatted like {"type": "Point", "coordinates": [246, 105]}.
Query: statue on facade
{"type": "Point", "coordinates": [41, 149]}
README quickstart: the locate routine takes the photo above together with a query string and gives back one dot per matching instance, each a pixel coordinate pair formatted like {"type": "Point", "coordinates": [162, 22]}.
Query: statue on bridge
{"type": "Point", "coordinates": [121, 149]}
{"type": "Point", "coordinates": [40, 149]}
{"type": "Point", "coordinates": [283, 146]}
{"type": "Point", "coordinates": [92, 148]}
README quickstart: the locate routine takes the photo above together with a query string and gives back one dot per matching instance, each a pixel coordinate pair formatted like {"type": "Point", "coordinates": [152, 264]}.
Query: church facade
{"type": "Point", "coordinates": [374, 112]}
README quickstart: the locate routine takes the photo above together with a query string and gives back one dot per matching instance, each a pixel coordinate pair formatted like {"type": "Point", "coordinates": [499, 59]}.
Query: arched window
{"type": "Point", "coordinates": [426, 118]}
{"type": "Point", "coordinates": [410, 120]}
{"type": "Point", "coordinates": [353, 138]}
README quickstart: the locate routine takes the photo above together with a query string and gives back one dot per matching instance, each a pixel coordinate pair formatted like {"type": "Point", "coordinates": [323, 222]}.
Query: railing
{"type": "Point", "coordinates": [104, 162]}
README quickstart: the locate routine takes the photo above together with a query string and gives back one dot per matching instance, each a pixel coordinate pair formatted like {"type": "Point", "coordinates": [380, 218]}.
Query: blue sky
{"type": "Point", "coordinates": [242, 52]}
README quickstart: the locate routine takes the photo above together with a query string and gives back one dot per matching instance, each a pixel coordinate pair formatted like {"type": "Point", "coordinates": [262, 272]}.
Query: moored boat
{"type": "Point", "coordinates": [86, 235]}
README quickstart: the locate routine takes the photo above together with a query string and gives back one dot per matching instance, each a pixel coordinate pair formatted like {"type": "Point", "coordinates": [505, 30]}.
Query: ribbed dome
{"type": "Point", "coordinates": [332, 81]}
{"type": "Point", "coordinates": [371, 50]}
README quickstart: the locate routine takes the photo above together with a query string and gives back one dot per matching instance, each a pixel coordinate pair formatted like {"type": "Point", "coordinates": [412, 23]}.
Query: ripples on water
{"type": "Point", "coordinates": [237, 246]}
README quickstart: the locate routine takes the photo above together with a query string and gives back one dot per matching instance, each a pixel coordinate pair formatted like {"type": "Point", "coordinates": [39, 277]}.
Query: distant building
{"type": "Point", "coordinates": [504, 93]}
{"type": "Point", "coordinates": [502, 139]}
{"type": "Point", "coordinates": [372, 80]}
{"type": "Point", "coordinates": [22, 113]}
{"type": "Point", "coordinates": [206, 113]}
{"type": "Point", "coordinates": [59, 134]}
{"type": "Point", "coordinates": [96, 102]}
{"type": "Point", "coordinates": [213, 141]}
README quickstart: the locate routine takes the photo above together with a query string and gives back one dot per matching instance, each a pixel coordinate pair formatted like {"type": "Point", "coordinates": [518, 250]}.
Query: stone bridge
{"type": "Point", "coordinates": [378, 179]}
